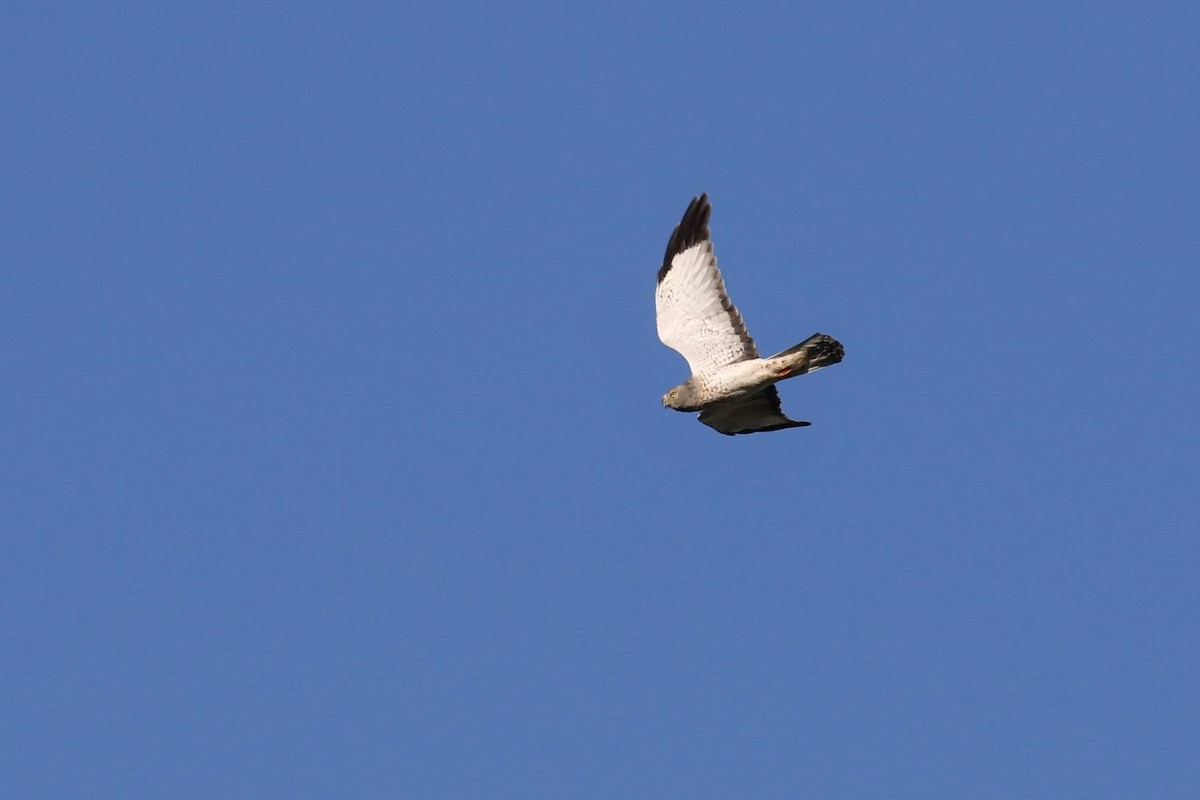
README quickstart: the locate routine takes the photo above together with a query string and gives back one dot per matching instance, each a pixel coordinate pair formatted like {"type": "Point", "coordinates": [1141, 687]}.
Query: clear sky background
{"type": "Point", "coordinates": [333, 457]}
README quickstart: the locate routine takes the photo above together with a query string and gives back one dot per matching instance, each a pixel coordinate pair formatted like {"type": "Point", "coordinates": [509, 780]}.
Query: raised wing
{"type": "Point", "coordinates": [695, 316]}
{"type": "Point", "coordinates": [758, 412]}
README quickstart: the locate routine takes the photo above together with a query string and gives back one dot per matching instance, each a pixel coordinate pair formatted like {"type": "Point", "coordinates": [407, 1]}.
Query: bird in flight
{"type": "Point", "coordinates": [730, 385]}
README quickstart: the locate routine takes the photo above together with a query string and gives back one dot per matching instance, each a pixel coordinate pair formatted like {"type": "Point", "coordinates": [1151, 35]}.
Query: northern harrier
{"type": "Point", "coordinates": [732, 388]}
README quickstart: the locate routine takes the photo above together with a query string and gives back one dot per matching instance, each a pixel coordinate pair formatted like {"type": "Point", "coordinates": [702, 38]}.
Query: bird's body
{"type": "Point", "coordinates": [731, 382]}
{"type": "Point", "coordinates": [731, 386]}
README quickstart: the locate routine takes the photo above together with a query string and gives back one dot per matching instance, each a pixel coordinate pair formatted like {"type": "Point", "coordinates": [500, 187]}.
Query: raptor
{"type": "Point", "coordinates": [731, 386]}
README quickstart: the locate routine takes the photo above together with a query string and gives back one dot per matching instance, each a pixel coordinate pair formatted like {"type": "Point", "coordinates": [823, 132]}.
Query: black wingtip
{"type": "Point", "coordinates": [781, 426]}
{"type": "Point", "coordinates": [691, 230]}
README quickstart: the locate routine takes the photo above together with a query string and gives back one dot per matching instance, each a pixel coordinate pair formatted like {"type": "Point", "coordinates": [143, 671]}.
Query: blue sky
{"type": "Point", "coordinates": [333, 456]}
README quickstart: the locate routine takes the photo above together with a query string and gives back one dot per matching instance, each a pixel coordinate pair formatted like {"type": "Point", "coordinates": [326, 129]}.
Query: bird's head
{"type": "Point", "coordinates": [681, 398]}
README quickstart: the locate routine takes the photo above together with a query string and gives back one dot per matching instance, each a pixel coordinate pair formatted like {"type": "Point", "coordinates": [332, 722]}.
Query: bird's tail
{"type": "Point", "coordinates": [812, 354]}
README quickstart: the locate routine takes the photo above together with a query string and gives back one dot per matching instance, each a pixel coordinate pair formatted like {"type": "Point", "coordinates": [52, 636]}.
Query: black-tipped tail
{"type": "Point", "coordinates": [819, 349]}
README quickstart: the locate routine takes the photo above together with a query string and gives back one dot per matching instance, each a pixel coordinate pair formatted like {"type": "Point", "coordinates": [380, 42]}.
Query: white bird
{"type": "Point", "coordinates": [731, 386]}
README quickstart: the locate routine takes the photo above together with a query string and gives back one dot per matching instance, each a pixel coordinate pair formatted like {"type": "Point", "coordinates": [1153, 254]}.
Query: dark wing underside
{"type": "Point", "coordinates": [758, 412]}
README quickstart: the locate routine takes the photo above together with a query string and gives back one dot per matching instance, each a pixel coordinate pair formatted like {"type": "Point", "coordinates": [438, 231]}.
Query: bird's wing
{"type": "Point", "coordinates": [758, 412]}
{"type": "Point", "coordinates": [695, 316]}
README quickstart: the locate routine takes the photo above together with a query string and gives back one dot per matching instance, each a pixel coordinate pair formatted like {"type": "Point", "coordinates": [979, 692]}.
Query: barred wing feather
{"type": "Point", "coordinates": [695, 315]}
